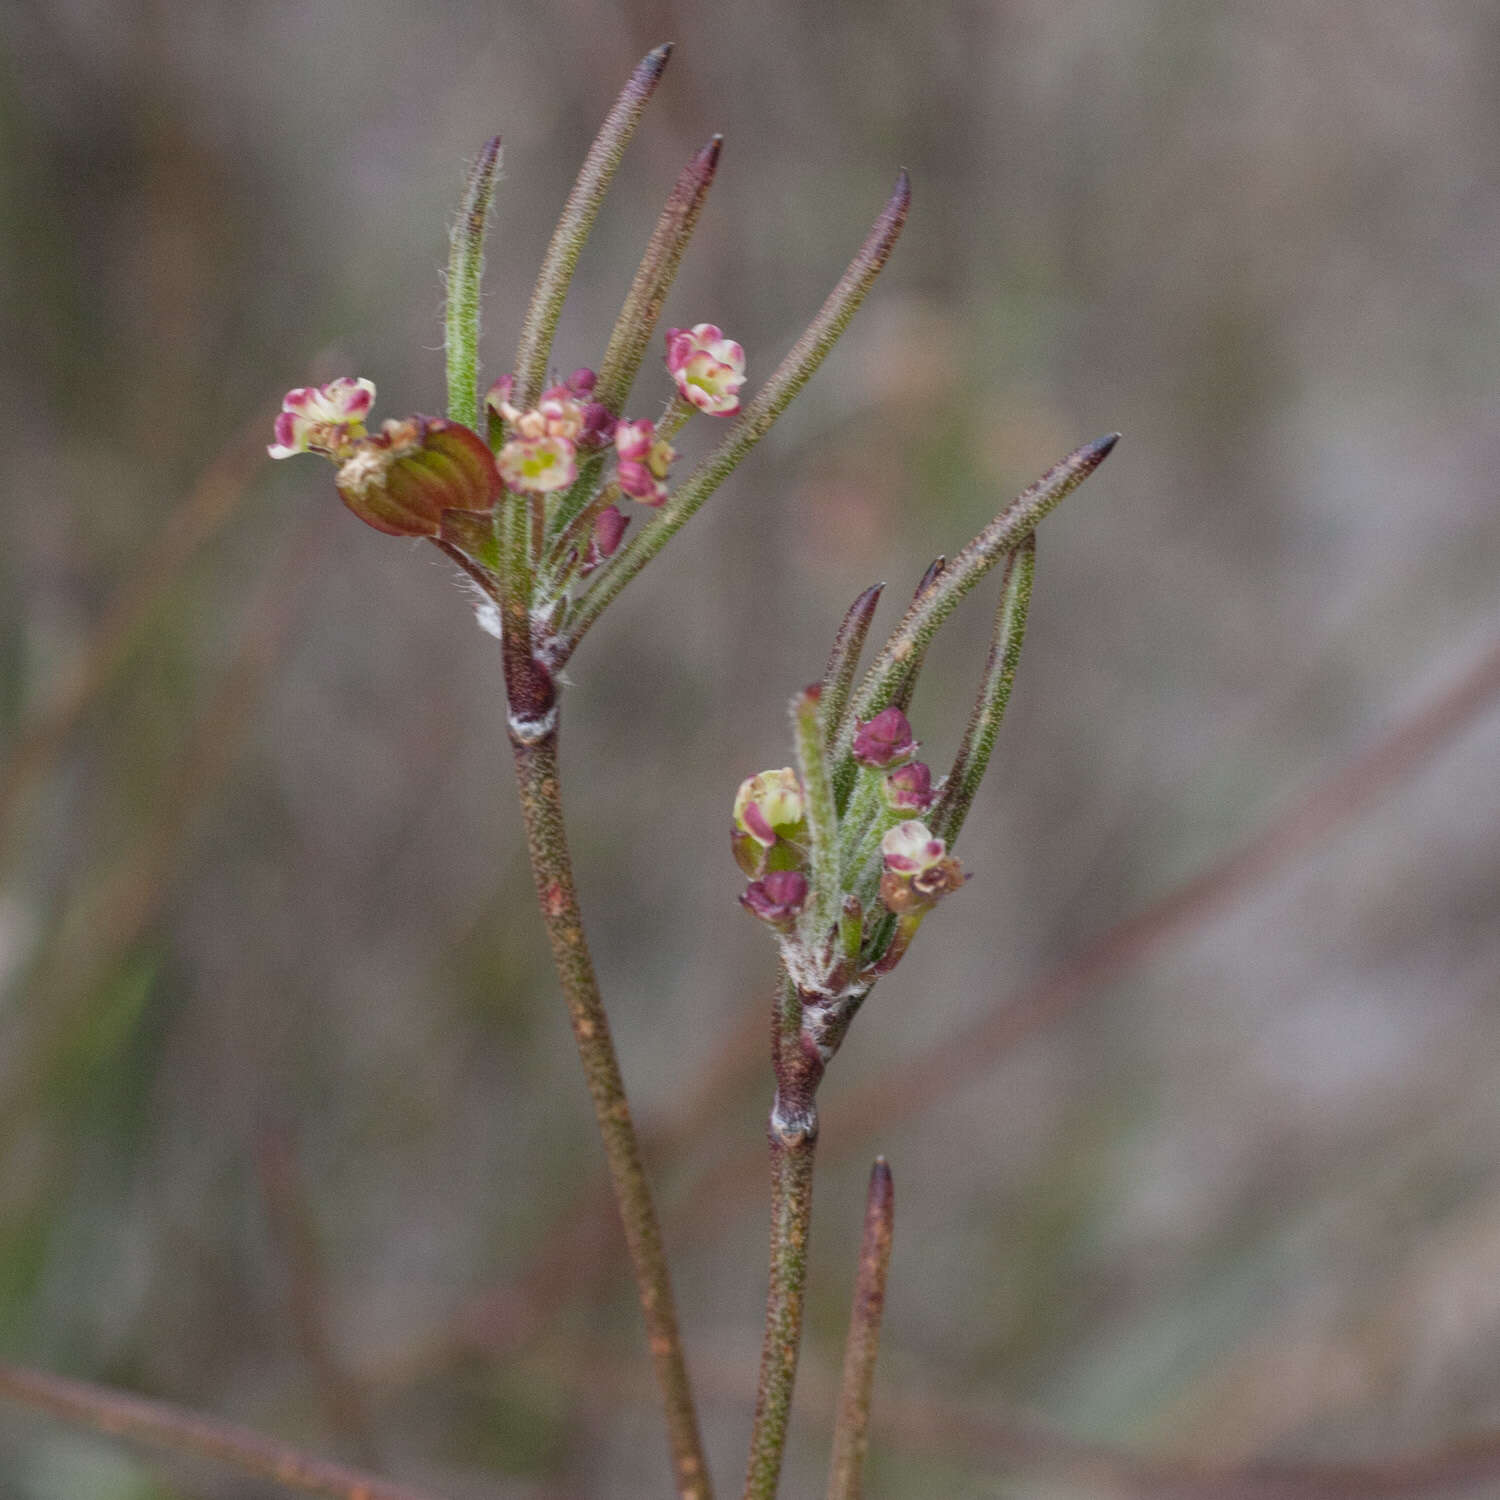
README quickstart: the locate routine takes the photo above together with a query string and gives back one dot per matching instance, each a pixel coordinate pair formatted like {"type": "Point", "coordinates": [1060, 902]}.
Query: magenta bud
{"type": "Point", "coordinates": [908, 789]}
{"type": "Point", "coordinates": [582, 381]}
{"type": "Point", "coordinates": [884, 741]}
{"type": "Point", "coordinates": [778, 898]}
{"type": "Point", "coordinates": [403, 479]}
{"type": "Point", "coordinates": [608, 529]}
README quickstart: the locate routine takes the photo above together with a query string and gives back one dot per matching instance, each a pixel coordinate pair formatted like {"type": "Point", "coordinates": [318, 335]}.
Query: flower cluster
{"type": "Point", "coordinates": [406, 478]}
{"type": "Point", "coordinates": [892, 867]}
{"type": "Point", "coordinates": [541, 454]}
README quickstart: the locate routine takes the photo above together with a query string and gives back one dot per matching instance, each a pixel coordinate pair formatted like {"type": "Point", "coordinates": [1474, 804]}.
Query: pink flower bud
{"type": "Point", "coordinates": [582, 382]}
{"type": "Point", "coordinates": [777, 899]}
{"type": "Point", "coordinates": [404, 479]}
{"type": "Point", "coordinates": [884, 741]}
{"type": "Point", "coordinates": [918, 869]}
{"type": "Point", "coordinates": [326, 419]}
{"type": "Point", "coordinates": [769, 823]}
{"type": "Point", "coordinates": [708, 368]}
{"type": "Point", "coordinates": [538, 465]}
{"type": "Point", "coordinates": [644, 460]}
{"type": "Point", "coordinates": [908, 789]}
{"type": "Point", "coordinates": [561, 415]}
{"type": "Point", "coordinates": [633, 439]}
{"type": "Point", "coordinates": [609, 527]}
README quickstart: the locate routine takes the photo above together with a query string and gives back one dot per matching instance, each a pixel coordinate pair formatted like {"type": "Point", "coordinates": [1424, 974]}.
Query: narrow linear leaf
{"type": "Point", "coordinates": [465, 273]}
{"type": "Point", "coordinates": [653, 279]}
{"type": "Point", "coordinates": [973, 757]}
{"type": "Point", "coordinates": [794, 371]}
{"type": "Point", "coordinates": [906, 686]}
{"type": "Point", "coordinates": [822, 819]}
{"type": "Point", "coordinates": [851, 1432]}
{"type": "Point", "coordinates": [577, 219]}
{"type": "Point", "coordinates": [843, 659]}
{"type": "Point", "coordinates": [928, 612]}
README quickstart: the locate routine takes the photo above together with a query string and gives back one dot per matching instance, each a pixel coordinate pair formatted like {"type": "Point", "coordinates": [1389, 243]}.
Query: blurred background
{"type": "Point", "coordinates": [291, 1125]}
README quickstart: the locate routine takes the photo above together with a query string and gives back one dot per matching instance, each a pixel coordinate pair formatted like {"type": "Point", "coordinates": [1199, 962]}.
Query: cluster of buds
{"type": "Point", "coordinates": [644, 459]}
{"type": "Point", "coordinates": [849, 852]}
{"type": "Point", "coordinates": [891, 867]}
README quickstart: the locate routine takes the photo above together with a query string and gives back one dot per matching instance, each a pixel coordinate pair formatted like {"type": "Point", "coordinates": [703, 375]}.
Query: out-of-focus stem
{"type": "Point", "coordinates": [196, 519]}
{"type": "Point", "coordinates": [465, 271]}
{"type": "Point", "coordinates": [291, 1223]}
{"type": "Point", "coordinates": [577, 219]}
{"type": "Point", "coordinates": [851, 1429]}
{"type": "Point", "coordinates": [178, 1430]}
{"type": "Point", "coordinates": [537, 774]}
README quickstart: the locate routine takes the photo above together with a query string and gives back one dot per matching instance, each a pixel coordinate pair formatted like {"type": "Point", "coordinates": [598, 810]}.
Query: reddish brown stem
{"type": "Point", "coordinates": [537, 774]}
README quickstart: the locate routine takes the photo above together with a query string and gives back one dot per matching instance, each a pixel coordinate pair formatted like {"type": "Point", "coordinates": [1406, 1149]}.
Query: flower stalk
{"type": "Point", "coordinates": [537, 777]}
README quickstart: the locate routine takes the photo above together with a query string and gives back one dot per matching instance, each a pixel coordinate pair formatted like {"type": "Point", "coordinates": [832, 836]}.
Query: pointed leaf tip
{"type": "Point", "coordinates": [1101, 448]}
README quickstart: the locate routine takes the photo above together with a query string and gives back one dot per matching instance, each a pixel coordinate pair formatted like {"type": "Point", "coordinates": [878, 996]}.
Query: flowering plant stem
{"type": "Point", "coordinates": [537, 775]}
{"type": "Point", "coordinates": [793, 1137]}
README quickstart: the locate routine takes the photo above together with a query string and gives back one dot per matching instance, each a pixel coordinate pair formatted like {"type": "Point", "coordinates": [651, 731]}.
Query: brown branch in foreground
{"type": "Point", "coordinates": [175, 1429]}
{"type": "Point", "coordinates": [1026, 1445]}
{"type": "Point", "coordinates": [195, 521]}
{"type": "Point", "coordinates": [974, 1048]}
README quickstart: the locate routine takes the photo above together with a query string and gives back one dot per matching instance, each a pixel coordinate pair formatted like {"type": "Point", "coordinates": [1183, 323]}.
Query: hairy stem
{"type": "Point", "coordinates": [851, 1431]}
{"type": "Point", "coordinates": [177, 1430]}
{"type": "Point", "coordinates": [793, 1137]}
{"type": "Point", "coordinates": [546, 840]}
{"type": "Point", "coordinates": [791, 1221]}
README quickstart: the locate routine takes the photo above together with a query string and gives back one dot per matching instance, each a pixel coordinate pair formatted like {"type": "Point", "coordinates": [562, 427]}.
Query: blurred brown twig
{"type": "Point", "coordinates": [160, 1425]}
{"type": "Point", "coordinates": [197, 518]}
